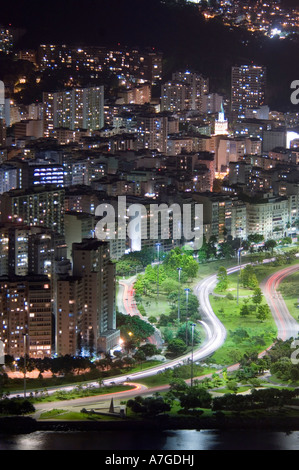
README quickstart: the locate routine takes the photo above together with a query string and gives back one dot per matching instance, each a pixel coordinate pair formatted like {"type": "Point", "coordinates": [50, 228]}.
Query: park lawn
{"type": "Point", "coordinates": [292, 304]}
{"type": "Point", "coordinates": [261, 334]}
{"type": "Point", "coordinates": [66, 415]}
{"type": "Point", "coordinates": [292, 299]}
{"type": "Point", "coordinates": [144, 365]}
{"type": "Point", "coordinates": [155, 308]}
{"type": "Point", "coordinates": [241, 389]}
{"type": "Point", "coordinates": [166, 377]}
{"type": "Point", "coordinates": [263, 271]}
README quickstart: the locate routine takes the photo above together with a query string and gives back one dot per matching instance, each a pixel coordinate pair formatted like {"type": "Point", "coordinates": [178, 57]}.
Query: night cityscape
{"type": "Point", "coordinates": [149, 224]}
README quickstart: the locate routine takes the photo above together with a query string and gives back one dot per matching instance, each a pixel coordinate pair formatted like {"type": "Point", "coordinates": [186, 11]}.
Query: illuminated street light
{"type": "Point", "coordinates": [239, 264]}
{"type": "Point", "coordinates": [192, 326]}
{"type": "Point", "coordinates": [158, 248]}
{"type": "Point", "coordinates": [179, 294]}
{"type": "Point", "coordinates": [187, 294]}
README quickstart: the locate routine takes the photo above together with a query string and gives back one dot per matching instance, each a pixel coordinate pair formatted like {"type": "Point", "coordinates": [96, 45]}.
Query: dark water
{"type": "Point", "coordinates": [182, 440]}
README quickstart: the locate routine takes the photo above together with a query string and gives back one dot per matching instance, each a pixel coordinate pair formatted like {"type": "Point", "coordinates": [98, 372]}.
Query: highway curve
{"type": "Point", "coordinates": [216, 333]}
{"type": "Point", "coordinates": [287, 326]}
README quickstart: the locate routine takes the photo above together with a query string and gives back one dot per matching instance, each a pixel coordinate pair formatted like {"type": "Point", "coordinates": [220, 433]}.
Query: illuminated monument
{"type": "Point", "coordinates": [221, 124]}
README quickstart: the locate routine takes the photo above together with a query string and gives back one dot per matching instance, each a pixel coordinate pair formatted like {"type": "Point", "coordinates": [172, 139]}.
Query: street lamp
{"type": "Point", "coordinates": [158, 248]}
{"type": "Point", "coordinates": [187, 294]}
{"type": "Point", "coordinates": [239, 263]}
{"type": "Point", "coordinates": [192, 326]}
{"type": "Point", "coordinates": [179, 294]}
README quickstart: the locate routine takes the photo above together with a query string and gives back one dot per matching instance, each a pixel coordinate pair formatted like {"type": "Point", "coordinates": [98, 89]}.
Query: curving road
{"type": "Point", "coordinates": [215, 330]}
{"type": "Point", "coordinates": [287, 326]}
{"type": "Point", "coordinates": [127, 305]}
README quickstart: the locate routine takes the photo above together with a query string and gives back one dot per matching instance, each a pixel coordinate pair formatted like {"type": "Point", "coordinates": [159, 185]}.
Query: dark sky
{"type": "Point", "coordinates": [184, 37]}
{"type": "Point", "coordinates": [80, 20]}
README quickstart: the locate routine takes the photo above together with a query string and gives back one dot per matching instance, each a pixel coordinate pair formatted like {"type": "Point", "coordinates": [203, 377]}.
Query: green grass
{"type": "Point", "coordinates": [240, 389]}
{"type": "Point", "coordinates": [228, 313]}
{"type": "Point", "coordinates": [52, 414]}
{"type": "Point", "coordinates": [183, 372]}
{"type": "Point", "coordinates": [69, 416]}
{"type": "Point", "coordinates": [288, 289]}
{"type": "Point", "coordinates": [156, 308]}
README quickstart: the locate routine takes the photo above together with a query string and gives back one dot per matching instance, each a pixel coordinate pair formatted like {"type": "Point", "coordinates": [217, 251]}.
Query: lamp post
{"type": "Point", "coordinates": [158, 248]}
{"type": "Point", "coordinates": [179, 294]}
{"type": "Point", "coordinates": [239, 264]}
{"type": "Point", "coordinates": [187, 294]}
{"type": "Point", "coordinates": [193, 326]}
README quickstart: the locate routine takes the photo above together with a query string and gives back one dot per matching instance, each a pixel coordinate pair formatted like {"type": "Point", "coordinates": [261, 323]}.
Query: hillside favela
{"type": "Point", "coordinates": [149, 223]}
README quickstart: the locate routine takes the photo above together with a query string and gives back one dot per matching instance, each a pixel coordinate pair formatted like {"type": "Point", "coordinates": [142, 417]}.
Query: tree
{"type": "Point", "coordinates": [178, 386]}
{"type": "Point", "coordinates": [222, 278]}
{"type": "Point", "coordinates": [263, 312]}
{"type": "Point", "coordinates": [149, 349]}
{"type": "Point", "coordinates": [257, 296]}
{"type": "Point", "coordinates": [248, 277]}
{"type": "Point", "coordinates": [195, 397]}
{"type": "Point", "coordinates": [182, 333]}
{"type": "Point", "coordinates": [133, 328]}
{"type": "Point", "coordinates": [176, 347]}
{"type": "Point", "coordinates": [270, 245]}
{"type": "Point", "coordinates": [226, 250]}
{"type": "Point", "coordinates": [139, 356]}
{"type": "Point", "coordinates": [193, 306]}
{"type": "Point", "coordinates": [151, 406]}
{"type": "Point", "coordinates": [169, 285]}
{"type": "Point", "coordinates": [244, 310]}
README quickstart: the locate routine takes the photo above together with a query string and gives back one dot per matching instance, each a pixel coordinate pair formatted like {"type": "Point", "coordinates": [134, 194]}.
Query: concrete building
{"type": "Point", "coordinates": [40, 206]}
{"type": "Point", "coordinates": [78, 108]}
{"type": "Point", "coordinates": [69, 304]}
{"type": "Point", "coordinates": [29, 250]}
{"type": "Point", "coordinates": [248, 88]}
{"type": "Point", "coordinates": [152, 130]}
{"type": "Point", "coordinates": [217, 213]}
{"type": "Point", "coordinates": [268, 217]}
{"type": "Point", "coordinates": [211, 103]}
{"type": "Point", "coordinates": [91, 261]}
{"type": "Point", "coordinates": [26, 307]}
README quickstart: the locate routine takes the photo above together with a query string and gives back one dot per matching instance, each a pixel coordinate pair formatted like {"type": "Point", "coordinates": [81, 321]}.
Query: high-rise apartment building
{"type": "Point", "coordinates": [198, 86]}
{"type": "Point", "coordinates": [29, 250]}
{"type": "Point", "coordinates": [174, 97]}
{"type": "Point", "coordinates": [184, 92]}
{"type": "Point", "coordinates": [91, 261]}
{"type": "Point", "coordinates": [39, 206]}
{"type": "Point", "coordinates": [248, 88]}
{"type": "Point", "coordinates": [78, 108]}
{"type": "Point", "coordinates": [268, 217]}
{"type": "Point", "coordinates": [152, 131]}
{"type": "Point", "coordinates": [26, 308]}
{"type": "Point", "coordinates": [211, 103]}
{"type": "Point", "coordinates": [69, 303]}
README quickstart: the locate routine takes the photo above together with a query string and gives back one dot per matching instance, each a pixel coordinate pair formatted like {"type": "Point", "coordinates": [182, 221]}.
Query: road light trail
{"type": "Point", "coordinates": [287, 326]}
{"type": "Point", "coordinates": [216, 333]}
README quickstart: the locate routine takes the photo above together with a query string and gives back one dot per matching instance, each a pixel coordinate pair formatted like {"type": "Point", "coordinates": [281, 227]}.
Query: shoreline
{"type": "Point", "coordinates": [27, 425]}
